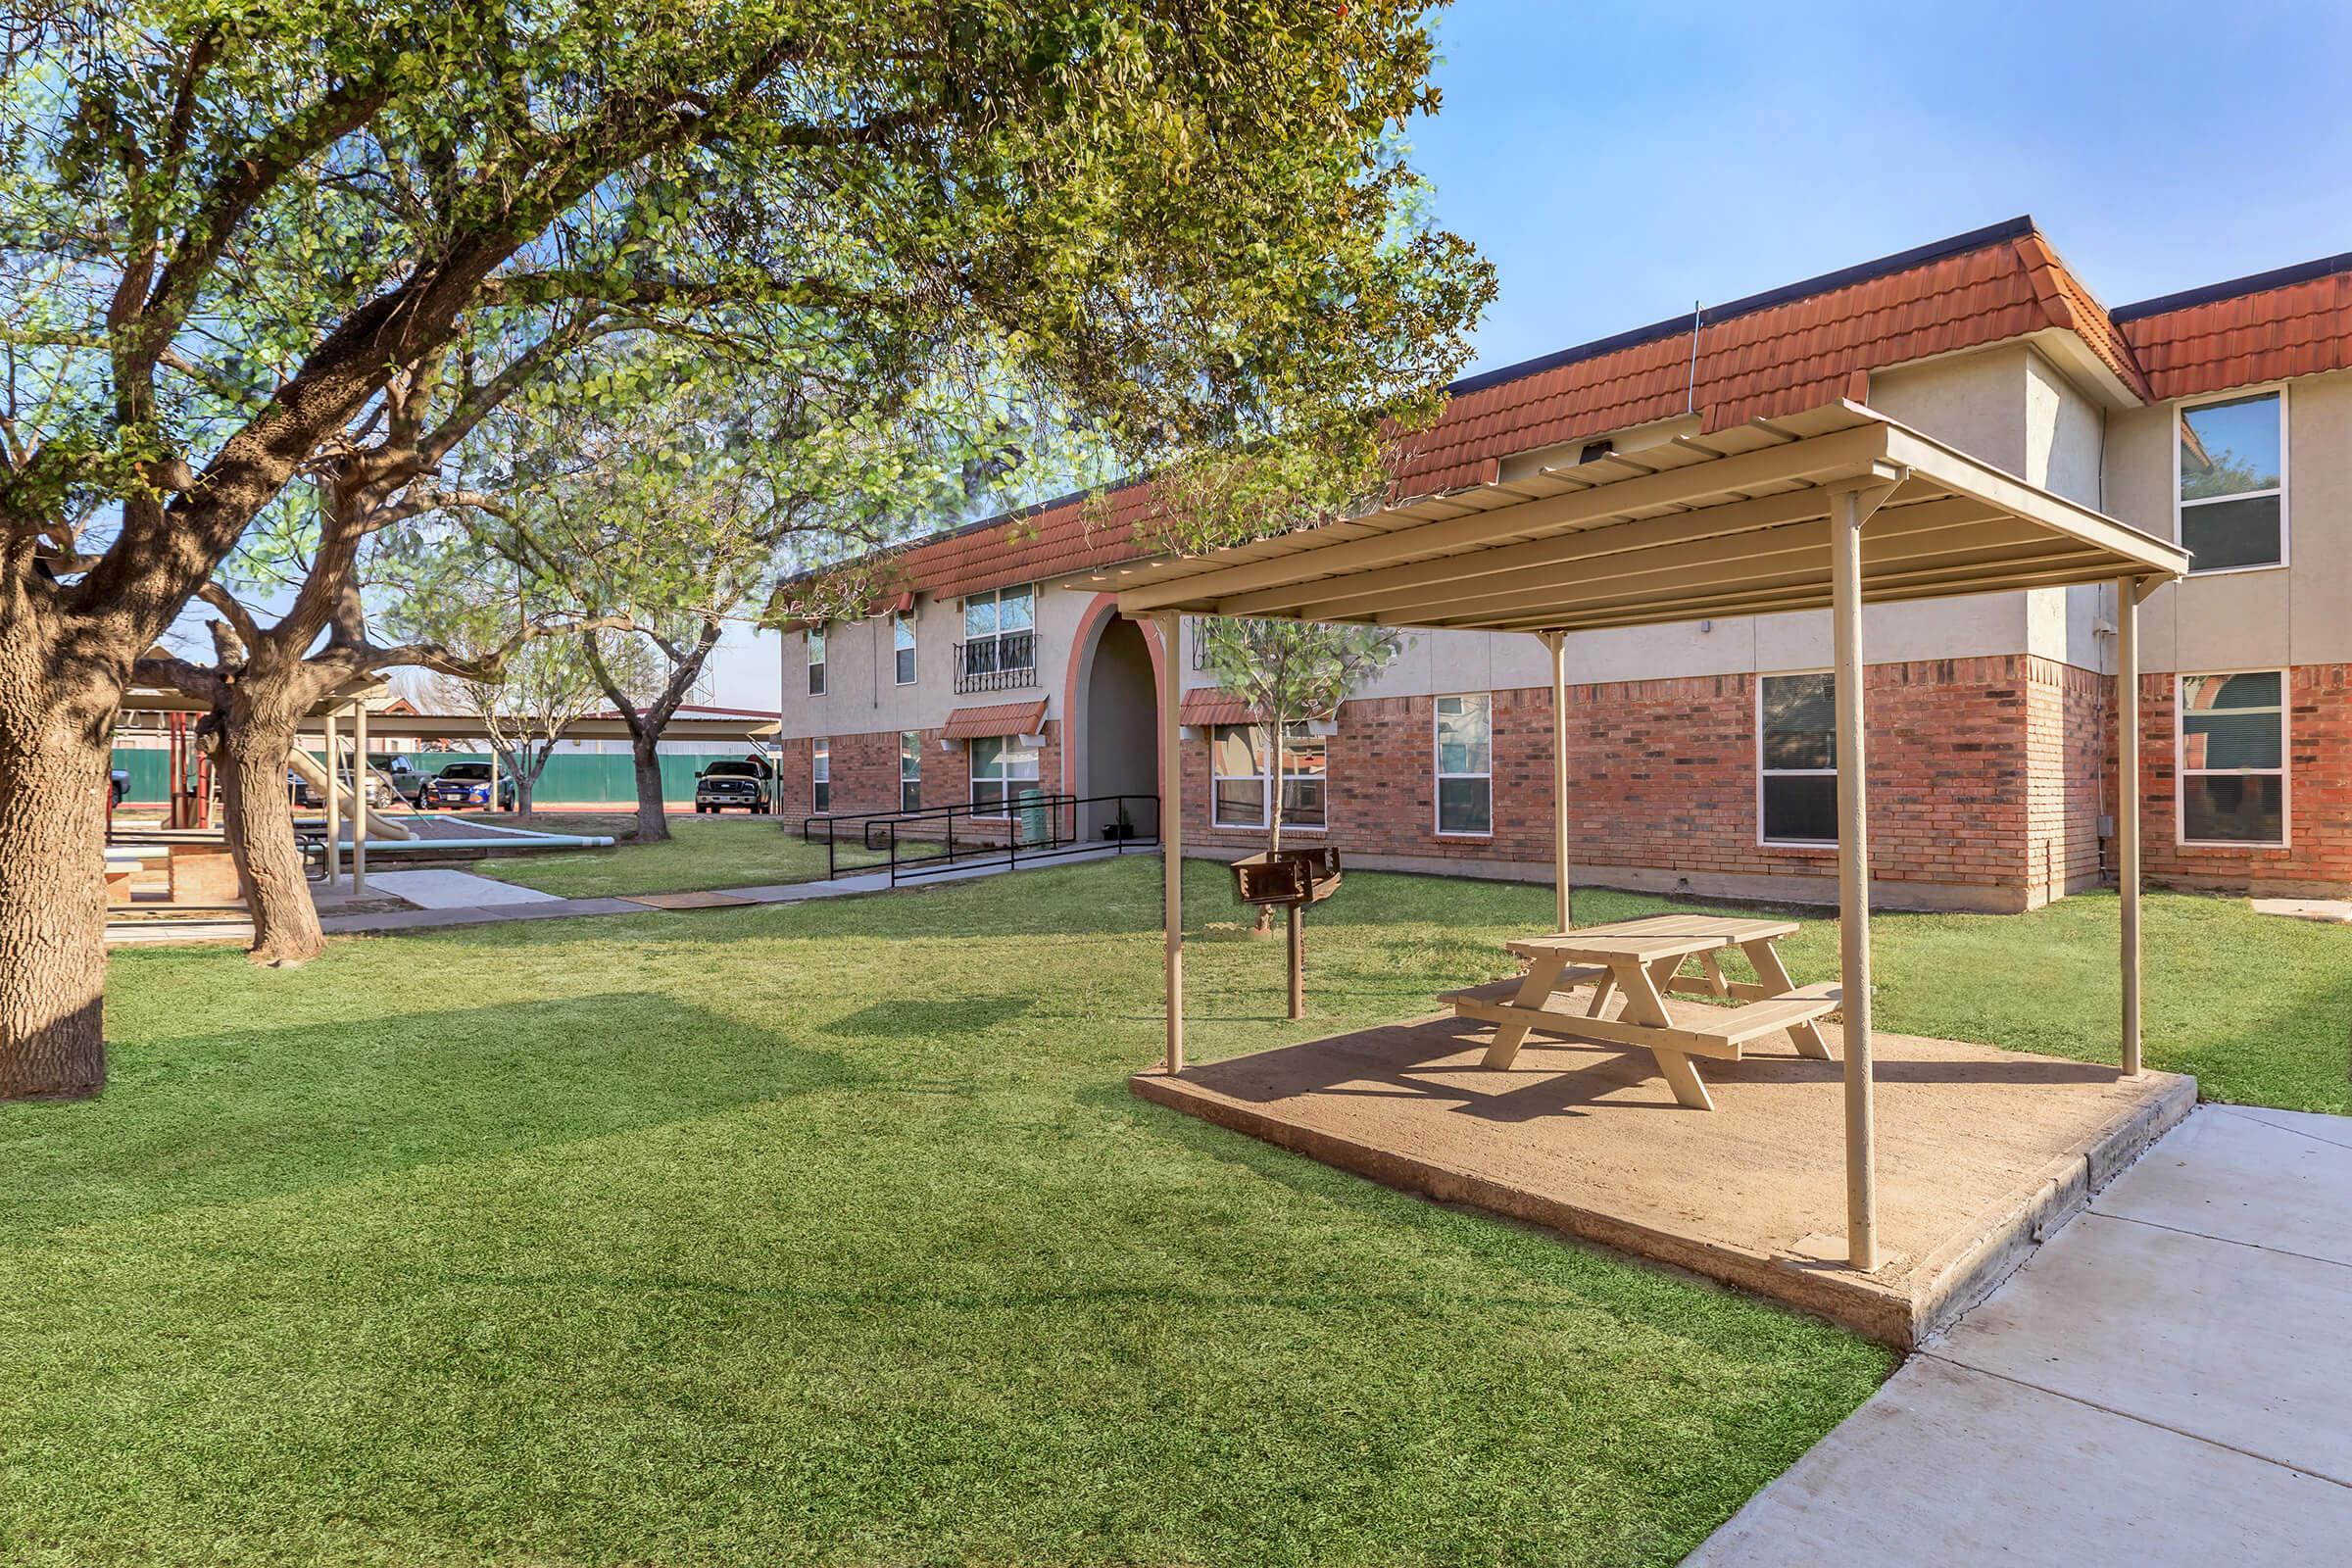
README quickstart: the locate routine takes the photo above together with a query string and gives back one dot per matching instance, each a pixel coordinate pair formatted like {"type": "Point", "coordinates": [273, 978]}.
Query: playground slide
{"type": "Point", "coordinates": [380, 826]}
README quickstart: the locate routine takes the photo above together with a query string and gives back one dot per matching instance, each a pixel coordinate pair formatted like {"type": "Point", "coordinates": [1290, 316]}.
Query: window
{"type": "Point", "coordinates": [999, 631]}
{"type": "Point", "coordinates": [1243, 771]}
{"type": "Point", "coordinates": [1796, 759]}
{"type": "Point", "coordinates": [816, 661]}
{"type": "Point", "coordinates": [820, 774]}
{"type": "Point", "coordinates": [1000, 769]}
{"type": "Point", "coordinates": [2232, 456]}
{"type": "Point", "coordinates": [910, 770]}
{"type": "Point", "coordinates": [2232, 745]}
{"type": "Point", "coordinates": [1466, 764]}
{"type": "Point", "coordinates": [901, 643]}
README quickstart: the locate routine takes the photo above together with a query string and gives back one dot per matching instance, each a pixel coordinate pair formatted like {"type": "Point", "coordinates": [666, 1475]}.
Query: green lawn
{"type": "Point", "coordinates": [712, 852]}
{"type": "Point", "coordinates": [828, 1234]}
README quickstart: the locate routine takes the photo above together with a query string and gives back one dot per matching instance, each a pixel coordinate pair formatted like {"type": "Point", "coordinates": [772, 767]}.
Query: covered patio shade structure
{"type": "Point", "coordinates": [1830, 510]}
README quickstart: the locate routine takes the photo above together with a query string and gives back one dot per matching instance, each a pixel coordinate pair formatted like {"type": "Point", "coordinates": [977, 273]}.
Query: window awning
{"type": "Point", "coordinates": [996, 719]}
{"type": "Point", "coordinates": [1206, 706]}
{"type": "Point", "coordinates": [1735, 523]}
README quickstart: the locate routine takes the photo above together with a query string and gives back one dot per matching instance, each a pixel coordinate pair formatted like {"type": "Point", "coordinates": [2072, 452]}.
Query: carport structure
{"type": "Point", "coordinates": [1831, 509]}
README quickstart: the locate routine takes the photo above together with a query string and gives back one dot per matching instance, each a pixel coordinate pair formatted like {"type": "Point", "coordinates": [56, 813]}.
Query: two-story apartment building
{"type": "Point", "coordinates": [2220, 417]}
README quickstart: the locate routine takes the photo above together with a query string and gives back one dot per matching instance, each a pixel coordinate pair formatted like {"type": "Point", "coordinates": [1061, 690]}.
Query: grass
{"type": "Point", "coordinates": [829, 1233]}
{"type": "Point", "coordinates": [715, 851]}
{"type": "Point", "coordinates": [824, 1234]}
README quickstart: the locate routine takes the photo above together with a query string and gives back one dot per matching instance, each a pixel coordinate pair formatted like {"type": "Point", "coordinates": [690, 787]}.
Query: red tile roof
{"type": "Point", "coordinates": [1776, 352]}
{"type": "Point", "coordinates": [2262, 328]}
{"type": "Point", "coordinates": [1204, 705]}
{"type": "Point", "coordinates": [996, 718]}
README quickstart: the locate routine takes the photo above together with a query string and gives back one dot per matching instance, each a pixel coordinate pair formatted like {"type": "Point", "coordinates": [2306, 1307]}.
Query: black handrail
{"type": "Point", "coordinates": [1022, 815]}
{"type": "Point", "coordinates": [867, 821]}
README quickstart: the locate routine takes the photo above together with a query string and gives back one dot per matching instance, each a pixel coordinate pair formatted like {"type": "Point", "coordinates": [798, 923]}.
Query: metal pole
{"type": "Point", "coordinates": [1171, 831]}
{"type": "Point", "coordinates": [1853, 882]}
{"type": "Point", "coordinates": [359, 790]}
{"type": "Point", "coordinates": [1563, 907]}
{"type": "Point", "coordinates": [2126, 805]}
{"type": "Point", "coordinates": [334, 824]}
{"type": "Point", "coordinates": [1296, 931]}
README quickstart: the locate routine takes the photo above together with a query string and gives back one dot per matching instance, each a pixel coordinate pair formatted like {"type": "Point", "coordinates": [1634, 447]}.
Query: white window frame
{"type": "Point", "coordinates": [1763, 843]}
{"type": "Point", "coordinates": [910, 748]}
{"type": "Point", "coordinates": [2285, 768]}
{"type": "Point", "coordinates": [1437, 755]}
{"type": "Point", "coordinates": [996, 597]}
{"type": "Point", "coordinates": [1271, 775]}
{"type": "Point", "coordinates": [1004, 803]}
{"type": "Point", "coordinates": [816, 661]}
{"type": "Point", "coordinates": [2286, 532]}
{"type": "Point", "coordinates": [901, 621]}
{"type": "Point", "coordinates": [820, 775]}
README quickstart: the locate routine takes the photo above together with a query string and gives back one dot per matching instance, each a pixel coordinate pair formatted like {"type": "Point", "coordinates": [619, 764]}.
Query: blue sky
{"type": "Point", "coordinates": [1618, 162]}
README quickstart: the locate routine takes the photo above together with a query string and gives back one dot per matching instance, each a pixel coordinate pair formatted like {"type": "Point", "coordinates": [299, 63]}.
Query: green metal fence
{"type": "Point", "coordinates": [581, 778]}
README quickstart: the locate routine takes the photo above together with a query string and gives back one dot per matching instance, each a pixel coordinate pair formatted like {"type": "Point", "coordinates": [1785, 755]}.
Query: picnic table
{"type": "Point", "coordinates": [1642, 962]}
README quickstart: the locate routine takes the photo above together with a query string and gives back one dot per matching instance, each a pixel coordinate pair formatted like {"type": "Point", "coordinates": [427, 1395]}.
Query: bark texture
{"type": "Point", "coordinates": [52, 909]}
{"type": "Point", "coordinates": [257, 820]}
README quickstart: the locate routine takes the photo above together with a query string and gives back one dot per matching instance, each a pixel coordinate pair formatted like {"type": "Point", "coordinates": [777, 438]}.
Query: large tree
{"type": "Point", "coordinates": [226, 229]}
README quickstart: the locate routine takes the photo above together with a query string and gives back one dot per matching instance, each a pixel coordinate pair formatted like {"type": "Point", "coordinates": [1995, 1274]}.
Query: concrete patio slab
{"type": "Point", "coordinates": [2331, 911]}
{"type": "Point", "coordinates": [2279, 1179]}
{"type": "Point", "coordinates": [453, 889]}
{"type": "Point", "coordinates": [1946, 1465]}
{"type": "Point", "coordinates": [2159, 1386]}
{"type": "Point", "coordinates": [2237, 1344]}
{"type": "Point", "coordinates": [1981, 1151]}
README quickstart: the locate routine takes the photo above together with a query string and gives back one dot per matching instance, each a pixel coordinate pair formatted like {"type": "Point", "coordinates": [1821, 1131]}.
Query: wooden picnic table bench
{"type": "Point", "coordinates": [1642, 962]}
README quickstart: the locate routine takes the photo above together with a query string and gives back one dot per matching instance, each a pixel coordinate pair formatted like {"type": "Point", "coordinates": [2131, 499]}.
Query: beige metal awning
{"type": "Point", "coordinates": [1737, 522]}
{"type": "Point", "coordinates": [1829, 510]}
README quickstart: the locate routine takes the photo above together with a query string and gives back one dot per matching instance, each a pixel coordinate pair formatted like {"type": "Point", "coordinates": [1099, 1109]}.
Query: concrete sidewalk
{"type": "Point", "coordinates": [2164, 1382]}
{"type": "Point", "coordinates": [545, 907]}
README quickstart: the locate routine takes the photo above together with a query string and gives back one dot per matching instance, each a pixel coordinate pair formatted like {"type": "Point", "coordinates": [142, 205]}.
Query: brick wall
{"type": "Point", "coordinates": [2066, 742]}
{"type": "Point", "coordinates": [2316, 862]}
{"type": "Point", "coordinates": [1667, 769]}
{"type": "Point", "coordinates": [865, 773]}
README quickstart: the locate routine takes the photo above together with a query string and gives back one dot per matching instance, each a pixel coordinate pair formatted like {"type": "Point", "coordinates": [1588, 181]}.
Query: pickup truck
{"type": "Point", "coordinates": [732, 786]}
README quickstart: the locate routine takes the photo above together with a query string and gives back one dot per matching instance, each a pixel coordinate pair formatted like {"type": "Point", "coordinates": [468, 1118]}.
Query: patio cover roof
{"type": "Point", "coordinates": [1732, 523]}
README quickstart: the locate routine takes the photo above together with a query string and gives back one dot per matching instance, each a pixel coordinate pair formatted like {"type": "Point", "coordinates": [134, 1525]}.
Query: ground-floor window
{"type": "Point", "coordinates": [1465, 744]}
{"type": "Point", "coordinates": [1796, 759]}
{"type": "Point", "coordinates": [910, 770]}
{"type": "Point", "coordinates": [1002, 773]}
{"type": "Point", "coordinates": [820, 775]}
{"type": "Point", "coordinates": [1246, 772]}
{"type": "Point", "coordinates": [2232, 746]}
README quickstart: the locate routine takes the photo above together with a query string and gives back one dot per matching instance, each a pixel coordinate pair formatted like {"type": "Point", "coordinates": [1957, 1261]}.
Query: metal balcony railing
{"type": "Point", "coordinates": [1006, 661]}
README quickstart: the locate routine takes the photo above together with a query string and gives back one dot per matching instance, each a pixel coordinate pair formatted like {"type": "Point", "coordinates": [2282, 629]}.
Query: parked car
{"type": "Point", "coordinates": [117, 779]}
{"type": "Point", "coordinates": [460, 785]}
{"type": "Point", "coordinates": [730, 786]}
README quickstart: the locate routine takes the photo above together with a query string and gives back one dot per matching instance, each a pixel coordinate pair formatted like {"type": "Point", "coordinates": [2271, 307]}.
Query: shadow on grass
{"type": "Point", "coordinates": [909, 1021]}
{"type": "Point", "coordinates": [262, 1112]}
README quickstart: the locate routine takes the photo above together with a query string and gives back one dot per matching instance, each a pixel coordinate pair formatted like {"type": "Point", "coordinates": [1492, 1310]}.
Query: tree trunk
{"type": "Point", "coordinates": [525, 781]}
{"type": "Point", "coordinates": [652, 818]}
{"type": "Point", "coordinates": [52, 903]}
{"type": "Point", "coordinates": [257, 820]}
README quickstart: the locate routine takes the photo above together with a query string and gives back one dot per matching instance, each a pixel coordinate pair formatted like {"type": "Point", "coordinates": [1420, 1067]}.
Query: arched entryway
{"type": "Point", "coordinates": [1111, 737]}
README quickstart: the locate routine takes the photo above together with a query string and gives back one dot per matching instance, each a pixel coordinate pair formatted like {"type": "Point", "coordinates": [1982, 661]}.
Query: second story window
{"type": "Point", "coordinates": [999, 639]}
{"type": "Point", "coordinates": [2233, 482]}
{"type": "Point", "coordinates": [902, 644]}
{"type": "Point", "coordinates": [816, 661]}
